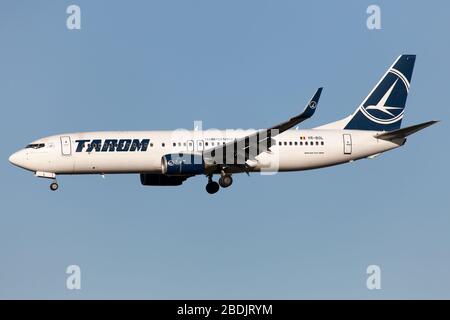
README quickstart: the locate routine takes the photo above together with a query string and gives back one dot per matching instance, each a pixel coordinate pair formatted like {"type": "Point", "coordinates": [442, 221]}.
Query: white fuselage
{"type": "Point", "coordinates": [294, 150]}
{"type": "Point", "coordinates": [168, 158]}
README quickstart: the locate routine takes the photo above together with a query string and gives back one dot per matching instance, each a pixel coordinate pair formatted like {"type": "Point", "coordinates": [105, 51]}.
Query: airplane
{"type": "Point", "coordinates": [168, 158]}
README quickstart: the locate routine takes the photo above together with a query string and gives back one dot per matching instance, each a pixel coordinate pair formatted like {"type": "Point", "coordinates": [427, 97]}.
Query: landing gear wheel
{"type": "Point", "coordinates": [225, 181]}
{"type": "Point", "coordinates": [54, 186]}
{"type": "Point", "coordinates": [212, 187]}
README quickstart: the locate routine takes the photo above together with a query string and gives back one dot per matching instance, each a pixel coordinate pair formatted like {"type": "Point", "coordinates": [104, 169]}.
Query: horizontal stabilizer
{"type": "Point", "coordinates": [404, 132]}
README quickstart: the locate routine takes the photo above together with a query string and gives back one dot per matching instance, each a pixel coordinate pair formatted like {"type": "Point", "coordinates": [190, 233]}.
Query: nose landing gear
{"type": "Point", "coordinates": [48, 175]}
{"type": "Point", "coordinates": [54, 186]}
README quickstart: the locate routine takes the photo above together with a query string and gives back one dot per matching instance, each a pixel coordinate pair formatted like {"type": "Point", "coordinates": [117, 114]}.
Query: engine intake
{"type": "Point", "coordinates": [182, 164]}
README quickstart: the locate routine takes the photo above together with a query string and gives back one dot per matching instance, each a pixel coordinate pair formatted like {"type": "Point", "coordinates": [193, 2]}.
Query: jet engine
{"type": "Point", "coordinates": [180, 164]}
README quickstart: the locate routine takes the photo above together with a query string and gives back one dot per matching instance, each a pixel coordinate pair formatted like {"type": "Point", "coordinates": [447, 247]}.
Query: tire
{"type": "Point", "coordinates": [53, 186]}
{"type": "Point", "coordinates": [225, 181]}
{"type": "Point", "coordinates": [212, 187]}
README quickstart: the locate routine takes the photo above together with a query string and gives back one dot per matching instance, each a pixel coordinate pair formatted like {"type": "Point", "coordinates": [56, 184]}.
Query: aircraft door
{"type": "Point", "coordinates": [347, 144]}
{"type": "Point", "coordinates": [66, 146]}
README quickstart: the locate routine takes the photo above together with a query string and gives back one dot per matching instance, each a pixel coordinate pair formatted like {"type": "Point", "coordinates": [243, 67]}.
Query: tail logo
{"type": "Point", "coordinates": [312, 104]}
{"type": "Point", "coordinates": [377, 108]}
{"type": "Point", "coordinates": [381, 105]}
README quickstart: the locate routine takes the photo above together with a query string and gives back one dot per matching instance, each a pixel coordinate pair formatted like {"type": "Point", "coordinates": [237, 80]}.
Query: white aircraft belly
{"type": "Point", "coordinates": [114, 162]}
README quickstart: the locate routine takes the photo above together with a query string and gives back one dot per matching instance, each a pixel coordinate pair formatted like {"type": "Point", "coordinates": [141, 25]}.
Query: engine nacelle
{"type": "Point", "coordinates": [183, 164]}
{"type": "Point", "coordinates": [160, 180]}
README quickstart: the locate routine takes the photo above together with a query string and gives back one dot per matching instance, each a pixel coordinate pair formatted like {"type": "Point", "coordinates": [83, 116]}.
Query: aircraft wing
{"type": "Point", "coordinates": [237, 152]}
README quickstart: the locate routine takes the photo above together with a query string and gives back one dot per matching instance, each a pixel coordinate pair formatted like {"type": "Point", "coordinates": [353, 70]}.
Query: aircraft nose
{"type": "Point", "coordinates": [18, 159]}
{"type": "Point", "coordinates": [13, 158]}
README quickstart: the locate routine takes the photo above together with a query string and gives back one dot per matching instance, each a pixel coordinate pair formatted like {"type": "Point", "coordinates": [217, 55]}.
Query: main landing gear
{"type": "Point", "coordinates": [212, 186]}
{"type": "Point", "coordinates": [224, 181]}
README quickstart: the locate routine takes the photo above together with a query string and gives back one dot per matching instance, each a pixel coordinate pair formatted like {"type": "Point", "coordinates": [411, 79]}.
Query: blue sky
{"type": "Point", "coordinates": [142, 65]}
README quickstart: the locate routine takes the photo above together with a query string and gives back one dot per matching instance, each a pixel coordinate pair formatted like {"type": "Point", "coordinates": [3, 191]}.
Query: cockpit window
{"type": "Point", "coordinates": [35, 146]}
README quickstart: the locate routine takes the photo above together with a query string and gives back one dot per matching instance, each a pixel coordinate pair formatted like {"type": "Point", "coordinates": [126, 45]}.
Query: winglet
{"type": "Point", "coordinates": [312, 104]}
{"type": "Point", "coordinates": [306, 114]}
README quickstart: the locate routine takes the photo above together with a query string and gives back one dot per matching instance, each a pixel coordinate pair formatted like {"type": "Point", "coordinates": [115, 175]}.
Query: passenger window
{"type": "Point", "coordinates": [295, 142]}
{"type": "Point", "coordinates": [290, 143]}
{"type": "Point", "coordinates": [285, 143]}
{"type": "Point", "coordinates": [322, 143]}
{"type": "Point", "coordinates": [163, 144]}
{"type": "Point", "coordinates": [174, 144]}
{"type": "Point", "coordinates": [179, 144]}
{"type": "Point", "coordinates": [151, 144]}
{"type": "Point", "coordinates": [306, 143]}
{"type": "Point", "coordinates": [317, 143]}
{"type": "Point", "coordinates": [206, 143]}
{"type": "Point", "coordinates": [279, 143]}
{"type": "Point", "coordinates": [301, 143]}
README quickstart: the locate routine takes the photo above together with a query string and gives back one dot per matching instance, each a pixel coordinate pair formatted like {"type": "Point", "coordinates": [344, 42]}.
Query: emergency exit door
{"type": "Point", "coordinates": [66, 146]}
{"type": "Point", "coordinates": [347, 144]}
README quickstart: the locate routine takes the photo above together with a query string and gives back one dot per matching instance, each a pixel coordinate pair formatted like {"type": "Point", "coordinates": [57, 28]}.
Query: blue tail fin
{"type": "Point", "coordinates": [383, 108]}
